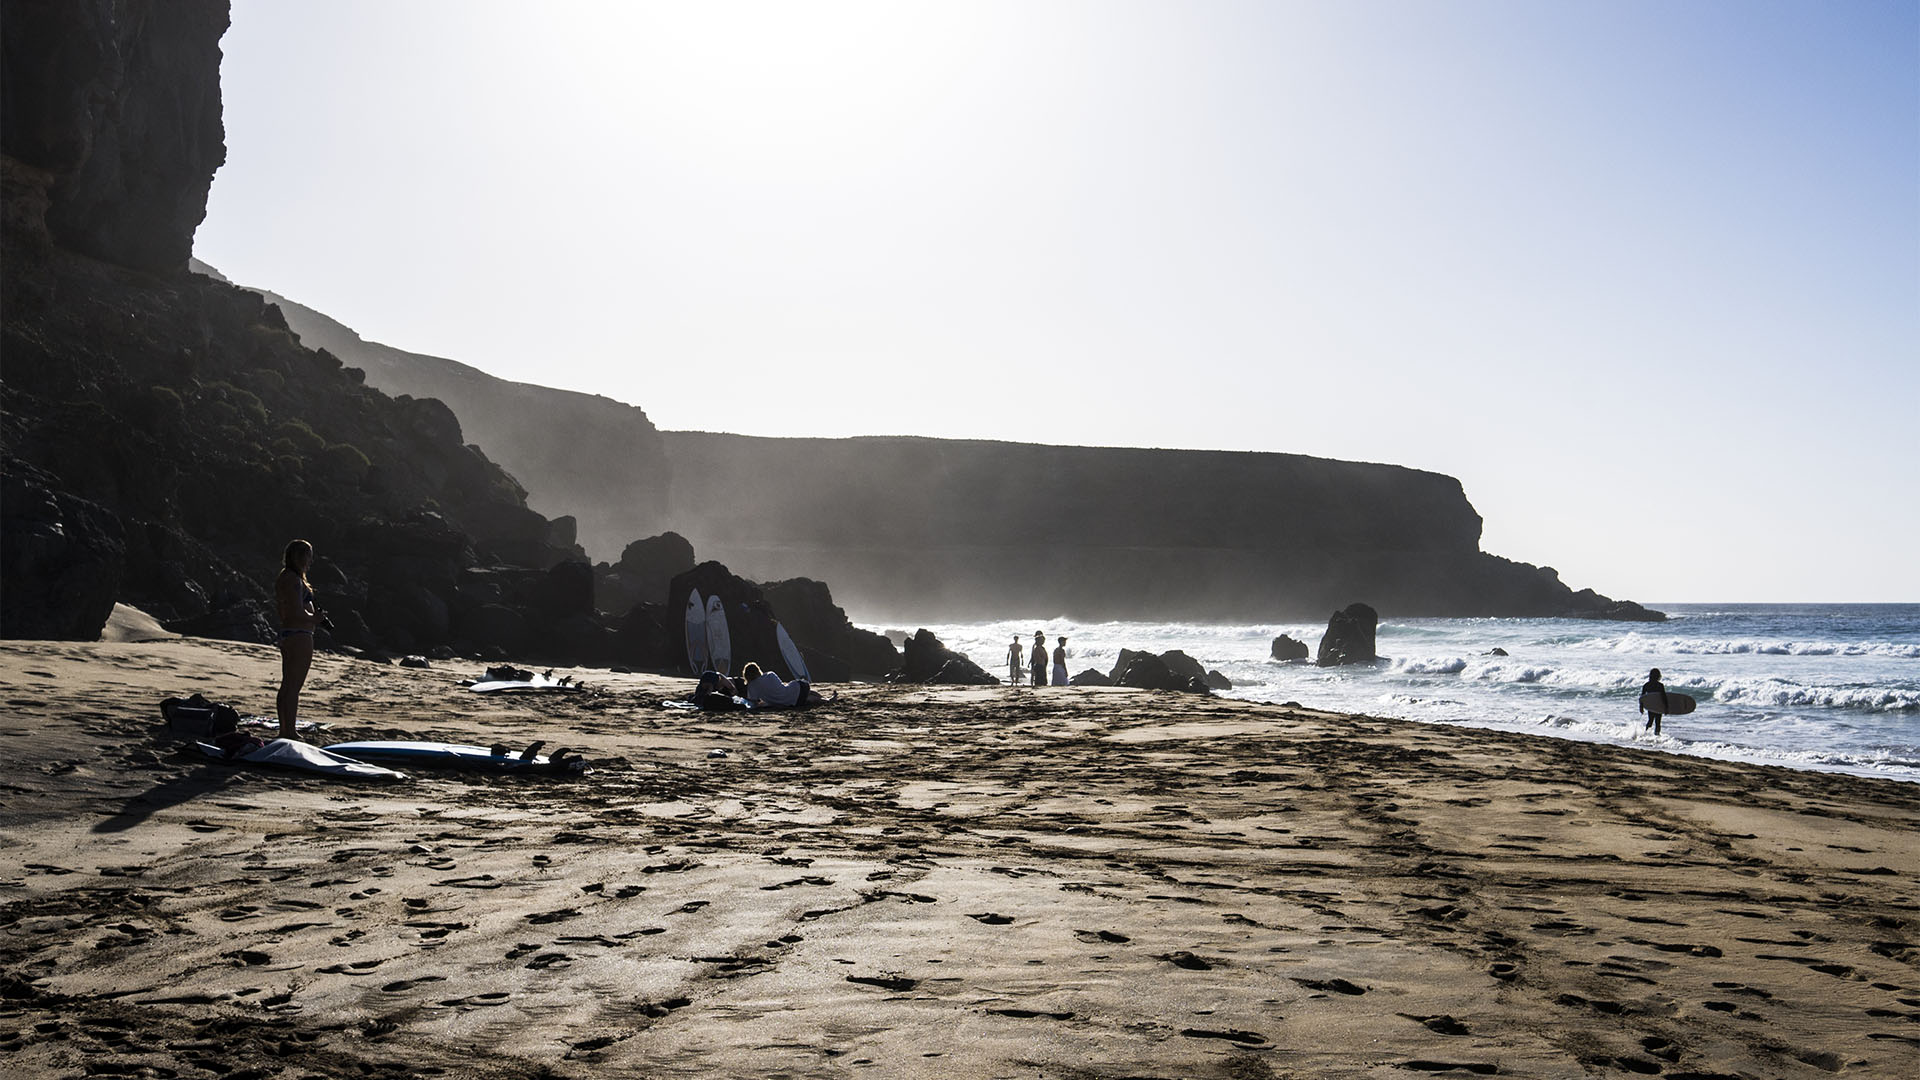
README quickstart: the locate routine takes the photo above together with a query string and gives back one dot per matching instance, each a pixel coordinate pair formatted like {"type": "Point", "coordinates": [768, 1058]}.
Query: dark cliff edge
{"type": "Point", "coordinates": [589, 457]}
{"type": "Point", "coordinates": [972, 529]}
{"type": "Point", "coordinates": [919, 528]}
{"type": "Point", "coordinates": [162, 434]}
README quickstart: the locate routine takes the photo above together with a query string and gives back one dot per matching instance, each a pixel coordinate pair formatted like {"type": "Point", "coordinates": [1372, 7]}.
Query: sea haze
{"type": "Point", "coordinates": [1831, 687]}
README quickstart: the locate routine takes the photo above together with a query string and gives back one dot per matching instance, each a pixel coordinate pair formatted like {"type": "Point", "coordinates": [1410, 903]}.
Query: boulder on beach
{"type": "Point", "coordinates": [645, 572]}
{"type": "Point", "coordinates": [1350, 636]}
{"type": "Point", "coordinates": [1090, 677]}
{"type": "Point", "coordinates": [1145, 671]}
{"type": "Point", "coordinates": [1286, 648]}
{"type": "Point", "coordinates": [1216, 681]}
{"type": "Point", "coordinates": [928, 661]}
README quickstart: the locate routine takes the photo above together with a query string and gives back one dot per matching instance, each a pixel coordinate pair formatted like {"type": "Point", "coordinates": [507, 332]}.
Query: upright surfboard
{"type": "Point", "coordinates": [696, 632]}
{"type": "Point", "coordinates": [1675, 705]}
{"type": "Point", "coordinates": [796, 664]}
{"type": "Point", "coordinates": [719, 643]}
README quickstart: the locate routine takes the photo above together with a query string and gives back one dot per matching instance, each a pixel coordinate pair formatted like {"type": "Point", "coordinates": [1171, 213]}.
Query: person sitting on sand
{"type": "Point", "coordinates": [1037, 660]}
{"type": "Point", "coordinates": [298, 620]}
{"type": "Point", "coordinates": [765, 689]}
{"type": "Point", "coordinates": [1060, 663]}
{"type": "Point", "coordinates": [1016, 661]}
{"type": "Point", "coordinates": [1654, 686]}
{"type": "Point", "coordinates": [716, 692]}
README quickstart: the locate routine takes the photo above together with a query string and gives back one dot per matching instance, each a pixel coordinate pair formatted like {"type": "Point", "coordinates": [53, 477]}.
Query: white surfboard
{"type": "Point", "coordinates": [306, 757]}
{"type": "Point", "coordinates": [537, 683]}
{"type": "Point", "coordinates": [1674, 705]}
{"type": "Point", "coordinates": [448, 755]}
{"type": "Point", "coordinates": [796, 664]}
{"type": "Point", "coordinates": [696, 632]}
{"type": "Point", "coordinates": [719, 643]}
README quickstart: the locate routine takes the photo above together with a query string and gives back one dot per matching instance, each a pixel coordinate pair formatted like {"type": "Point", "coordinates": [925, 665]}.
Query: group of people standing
{"type": "Point", "coordinates": [1035, 662]}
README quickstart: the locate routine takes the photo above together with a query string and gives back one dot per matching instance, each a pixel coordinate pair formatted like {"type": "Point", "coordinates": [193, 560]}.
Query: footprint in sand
{"type": "Point", "coordinates": [495, 997]}
{"type": "Point", "coordinates": [1441, 1025]}
{"type": "Point", "coordinates": [1245, 1038]}
{"type": "Point", "coordinates": [1185, 959]}
{"type": "Point", "coordinates": [895, 983]}
{"type": "Point", "coordinates": [658, 1009]}
{"type": "Point", "coordinates": [992, 919]}
{"type": "Point", "coordinates": [1337, 986]}
{"type": "Point", "coordinates": [403, 985]}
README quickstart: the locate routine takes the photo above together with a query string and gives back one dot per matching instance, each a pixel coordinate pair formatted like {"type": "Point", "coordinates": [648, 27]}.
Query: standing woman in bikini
{"type": "Point", "coordinates": [298, 619]}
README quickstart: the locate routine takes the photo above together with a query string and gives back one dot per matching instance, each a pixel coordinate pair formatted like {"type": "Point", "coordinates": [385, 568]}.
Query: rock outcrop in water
{"type": "Point", "coordinates": [1350, 637]}
{"type": "Point", "coordinates": [1286, 648]}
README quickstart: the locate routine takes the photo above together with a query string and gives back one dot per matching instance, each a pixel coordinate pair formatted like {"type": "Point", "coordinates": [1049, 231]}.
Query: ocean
{"type": "Point", "coordinates": [1829, 687]}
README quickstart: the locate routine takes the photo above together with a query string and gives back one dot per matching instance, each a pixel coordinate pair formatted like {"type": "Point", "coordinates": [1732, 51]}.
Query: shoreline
{"type": "Point", "coordinates": [1785, 686]}
{"type": "Point", "coordinates": [925, 881]}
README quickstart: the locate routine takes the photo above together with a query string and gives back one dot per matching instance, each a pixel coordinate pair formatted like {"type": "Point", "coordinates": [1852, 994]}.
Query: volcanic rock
{"type": "Point", "coordinates": [1285, 649]}
{"type": "Point", "coordinates": [61, 559]}
{"type": "Point", "coordinates": [927, 660]}
{"type": "Point", "coordinates": [1350, 637]}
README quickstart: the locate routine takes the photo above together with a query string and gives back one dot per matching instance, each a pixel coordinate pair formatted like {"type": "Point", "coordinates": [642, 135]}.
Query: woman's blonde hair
{"type": "Point", "coordinates": [295, 549]}
{"type": "Point", "coordinates": [750, 672]}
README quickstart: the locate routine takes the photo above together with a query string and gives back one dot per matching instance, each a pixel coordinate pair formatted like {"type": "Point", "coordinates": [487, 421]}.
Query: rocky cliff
{"type": "Point", "coordinates": [163, 434]}
{"type": "Point", "coordinates": [953, 529]}
{"type": "Point", "coordinates": [183, 427]}
{"type": "Point", "coordinates": [581, 455]}
{"type": "Point", "coordinates": [967, 529]}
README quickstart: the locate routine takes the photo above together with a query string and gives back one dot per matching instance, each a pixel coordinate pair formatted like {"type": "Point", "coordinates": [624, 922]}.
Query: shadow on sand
{"type": "Point", "coordinates": [205, 780]}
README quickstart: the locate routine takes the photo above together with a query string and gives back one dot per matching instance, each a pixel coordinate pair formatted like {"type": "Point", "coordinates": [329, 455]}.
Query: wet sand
{"type": "Point", "coordinates": [918, 882]}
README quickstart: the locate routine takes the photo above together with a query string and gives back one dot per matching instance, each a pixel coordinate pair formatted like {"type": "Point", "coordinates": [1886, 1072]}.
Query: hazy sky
{"type": "Point", "coordinates": [1644, 276]}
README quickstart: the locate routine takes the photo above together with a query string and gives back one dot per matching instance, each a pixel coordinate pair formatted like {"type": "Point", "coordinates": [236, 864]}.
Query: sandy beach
{"type": "Point", "coordinates": [921, 882]}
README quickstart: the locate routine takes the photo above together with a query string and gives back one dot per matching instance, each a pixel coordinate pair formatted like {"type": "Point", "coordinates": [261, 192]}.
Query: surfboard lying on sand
{"type": "Point", "coordinates": [696, 632]}
{"type": "Point", "coordinates": [1675, 705]}
{"type": "Point", "coordinates": [796, 664]}
{"type": "Point", "coordinates": [455, 756]}
{"type": "Point", "coordinates": [538, 682]}
{"type": "Point", "coordinates": [288, 754]}
{"type": "Point", "coordinates": [719, 643]}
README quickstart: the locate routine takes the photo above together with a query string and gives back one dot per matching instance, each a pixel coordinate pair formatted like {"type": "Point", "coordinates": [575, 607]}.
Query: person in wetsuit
{"type": "Point", "coordinates": [1037, 660]}
{"type": "Point", "coordinates": [299, 618]}
{"type": "Point", "coordinates": [1654, 686]}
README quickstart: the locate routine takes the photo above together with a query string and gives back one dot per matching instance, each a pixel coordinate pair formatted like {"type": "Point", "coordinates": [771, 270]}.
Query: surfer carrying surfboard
{"type": "Point", "coordinates": [1654, 686]}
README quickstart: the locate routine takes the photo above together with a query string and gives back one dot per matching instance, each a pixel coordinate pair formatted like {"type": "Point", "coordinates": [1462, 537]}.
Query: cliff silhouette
{"type": "Point", "coordinates": [924, 528]}
{"type": "Point", "coordinates": [164, 433]}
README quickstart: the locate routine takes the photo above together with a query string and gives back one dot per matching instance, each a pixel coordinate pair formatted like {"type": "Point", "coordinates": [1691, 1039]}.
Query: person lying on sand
{"type": "Point", "coordinates": [766, 689]}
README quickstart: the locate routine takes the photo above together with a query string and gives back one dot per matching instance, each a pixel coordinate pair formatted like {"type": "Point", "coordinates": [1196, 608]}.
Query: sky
{"type": "Point", "coordinates": [1644, 276]}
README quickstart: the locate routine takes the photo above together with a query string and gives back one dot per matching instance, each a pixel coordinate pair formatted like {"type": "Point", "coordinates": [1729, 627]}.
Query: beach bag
{"type": "Point", "coordinates": [197, 718]}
